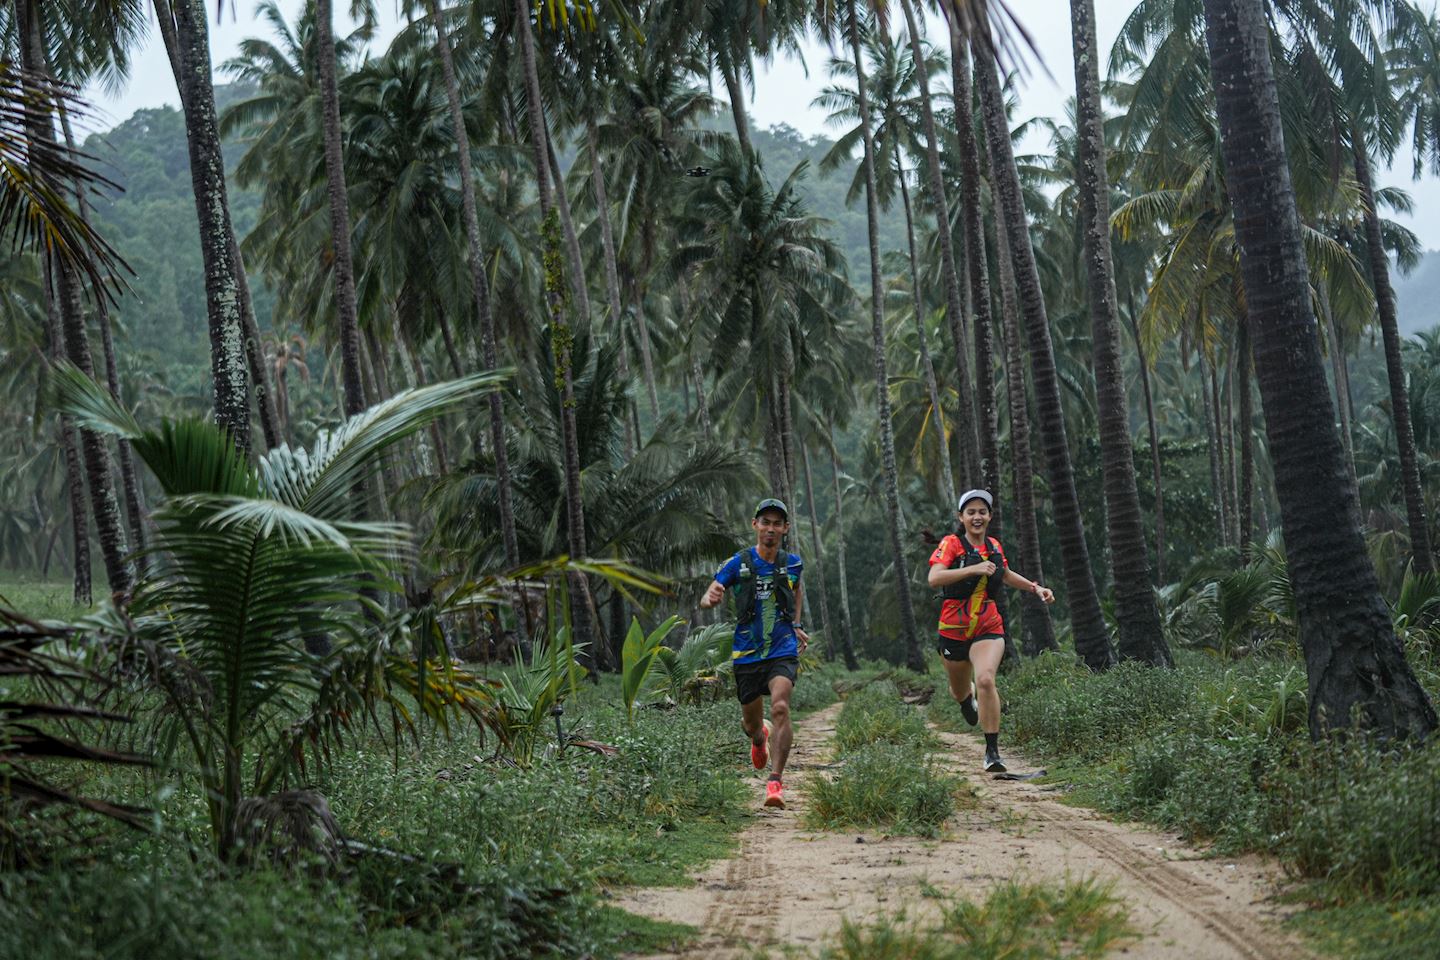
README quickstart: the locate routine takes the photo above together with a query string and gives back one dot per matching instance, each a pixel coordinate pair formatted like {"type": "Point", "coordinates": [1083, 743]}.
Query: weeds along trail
{"type": "Point", "coordinates": [790, 888]}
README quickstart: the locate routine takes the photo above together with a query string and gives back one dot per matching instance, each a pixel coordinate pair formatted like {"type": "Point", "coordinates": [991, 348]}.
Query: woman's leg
{"type": "Point", "coordinates": [985, 656]}
{"type": "Point", "coordinates": [959, 674]}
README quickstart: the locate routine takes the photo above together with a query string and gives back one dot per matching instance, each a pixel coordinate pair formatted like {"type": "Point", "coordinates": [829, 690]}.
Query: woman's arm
{"type": "Point", "coordinates": [941, 576]}
{"type": "Point", "coordinates": [1013, 579]}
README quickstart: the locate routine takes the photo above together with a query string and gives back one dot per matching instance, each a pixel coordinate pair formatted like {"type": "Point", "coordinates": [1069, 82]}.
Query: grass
{"type": "Point", "coordinates": [887, 776]}
{"type": "Point", "coordinates": [1220, 752]}
{"type": "Point", "coordinates": [44, 599]}
{"type": "Point", "coordinates": [876, 714]}
{"type": "Point", "coordinates": [1017, 921]}
{"type": "Point", "coordinates": [504, 862]}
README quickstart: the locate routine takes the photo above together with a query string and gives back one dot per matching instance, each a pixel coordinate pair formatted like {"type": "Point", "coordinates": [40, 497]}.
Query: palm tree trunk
{"type": "Point", "coordinates": [1353, 659]}
{"type": "Point", "coordinates": [612, 270]}
{"type": "Point", "coordinates": [1246, 511]}
{"type": "Point", "coordinates": [847, 638]}
{"type": "Point", "coordinates": [339, 202]}
{"type": "Point", "coordinates": [707, 430]}
{"type": "Point", "coordinates": [1212, 445]}
{"type": "Point", "coordinates": [254, 355]}
{"type": "Point", "coordinates": [480, 288]}
{"type": "Point", "coordinates": [1039, 629]}
{"type": "Point", "coordinates": [986, 421]}
{"type": "Point", "coordinates": [736, 94]}
{"type": "Point", "coordinates": [75, 339]}
{"type": "Point", "coordinates": [819, 580]}
{"type": "Point", "coordinates": [74, 478]}
{"type": "Point", "coordinates": [578, 285]}
{"type": "Point", "coordinates": [1232, 474]}
{"type": "Point", "coordinates": [1341, 375]}
{"type": "Point", "coordinates": [642, 290]}
{"type": "Point", "coordinates": [927, 367]}
{"type": "Point", "coordinates": [129, 479]}
{"type": "Point", "coordinates": [186, 24]}
{"type": "Point", "coordinates": [914, 659]}
{"type": "Point", "coordinates": [1092, 640]}
{"type": "Point", "coordinates": [787, 435]}
{"type": "Point", "coordinates": [970, 464]}
{"type": "Point", "coordinates": [1138, 618]}
{"type": "Point", "coordinates": [561, 336]}
{"type": "Point", "coordinates": [1154, 450]}
{"type": "Point", "coordinates": [1420, 547]}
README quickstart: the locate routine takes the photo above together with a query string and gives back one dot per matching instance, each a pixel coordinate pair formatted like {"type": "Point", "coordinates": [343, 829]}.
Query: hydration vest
{"type": "Point", "coordinates": [780, 591]}
{"type": "Point", "coordinates": [963, 590]}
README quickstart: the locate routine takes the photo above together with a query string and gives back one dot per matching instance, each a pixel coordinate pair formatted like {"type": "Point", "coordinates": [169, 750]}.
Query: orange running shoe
{"type": "Point", "coordinates": [773, 797]}
{"type": "Point", "coordinates": [759, 756]}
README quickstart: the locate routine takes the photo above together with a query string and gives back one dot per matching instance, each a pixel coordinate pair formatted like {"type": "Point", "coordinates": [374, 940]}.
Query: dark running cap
{"type": "Point", "coordinates": [772, 504]}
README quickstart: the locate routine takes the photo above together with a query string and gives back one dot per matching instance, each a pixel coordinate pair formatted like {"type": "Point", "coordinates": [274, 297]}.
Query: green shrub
{"type": "Point", "coordinates": [897, 787]}
{"type": "Point", "coordinates": [1364, 819]}
{"type": "Point", "coordinates": [1017, 920]}
{"type": "Point", "coordinates": [876, 714]}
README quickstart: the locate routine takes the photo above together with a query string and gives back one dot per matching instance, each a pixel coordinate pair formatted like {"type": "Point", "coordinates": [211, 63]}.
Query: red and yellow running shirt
{"type": "Point", "coordinates": [977, 616]}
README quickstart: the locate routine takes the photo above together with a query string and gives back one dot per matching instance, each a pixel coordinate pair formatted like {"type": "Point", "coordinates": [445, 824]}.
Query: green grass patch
{"type": "Point", "coordinates": [44, 599]}
{"type": "Point", "coordinates": [1375, 930]}
{"type": "Point", "coordinates": [1018, 921]}
{"type": "Point", "coordinates": [876, 714]}
{"type": "Point", "coordinates": [892, 786]}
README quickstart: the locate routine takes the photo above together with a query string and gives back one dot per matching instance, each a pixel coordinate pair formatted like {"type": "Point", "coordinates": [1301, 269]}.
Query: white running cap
{"type": "Point", "coordinates": [969, 495]}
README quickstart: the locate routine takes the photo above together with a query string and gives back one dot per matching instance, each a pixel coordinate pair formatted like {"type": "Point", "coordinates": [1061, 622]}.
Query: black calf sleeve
{"type": "Point", "coordinates": [992, 741]}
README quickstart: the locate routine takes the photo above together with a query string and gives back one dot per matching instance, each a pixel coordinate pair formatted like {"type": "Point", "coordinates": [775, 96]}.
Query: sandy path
{"type": "Point", "coordinates": [791, 887]}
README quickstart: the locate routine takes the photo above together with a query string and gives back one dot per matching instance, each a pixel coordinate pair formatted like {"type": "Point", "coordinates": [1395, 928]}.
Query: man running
{"type": "Point", "coordinates": [768, 638]}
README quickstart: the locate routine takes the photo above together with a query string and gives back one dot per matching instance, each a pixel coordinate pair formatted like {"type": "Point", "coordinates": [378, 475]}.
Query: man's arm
{"type": "Point", "coordinates": [713, 595]}
{"type": "Point", "coordinates": [802, 638]}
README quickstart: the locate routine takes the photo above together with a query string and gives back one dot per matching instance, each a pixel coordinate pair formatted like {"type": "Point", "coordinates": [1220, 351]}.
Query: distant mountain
{"type": "Point", "coordinates": [1417, 295]}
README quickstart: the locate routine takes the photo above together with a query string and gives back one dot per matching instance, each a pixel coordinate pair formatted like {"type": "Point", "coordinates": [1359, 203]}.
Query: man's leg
{"type": "Point", "coordinates": [752, 719]}
{"type": "Point", "coordinates": [781, 732]}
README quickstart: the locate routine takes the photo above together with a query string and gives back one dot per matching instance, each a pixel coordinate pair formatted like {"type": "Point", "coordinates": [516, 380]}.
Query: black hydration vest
{"type": "Point", "coordinates": [963, 590]}
{"type": "Point", "coordinates": [745, 589]}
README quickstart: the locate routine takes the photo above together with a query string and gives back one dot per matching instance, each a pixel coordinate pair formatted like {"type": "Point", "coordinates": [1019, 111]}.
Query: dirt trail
{"type": "Point", "coordinates": [791, 887]}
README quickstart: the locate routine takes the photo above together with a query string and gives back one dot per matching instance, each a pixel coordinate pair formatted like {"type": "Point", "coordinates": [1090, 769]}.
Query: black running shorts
{"type": "Point", "coordinates": [959, 650]}
{"type": "Point", "coordinates": [753, 679]}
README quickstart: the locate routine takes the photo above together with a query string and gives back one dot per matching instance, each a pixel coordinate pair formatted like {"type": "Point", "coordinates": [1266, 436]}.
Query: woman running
{"type": "Point", "coordinates": [972, 631]}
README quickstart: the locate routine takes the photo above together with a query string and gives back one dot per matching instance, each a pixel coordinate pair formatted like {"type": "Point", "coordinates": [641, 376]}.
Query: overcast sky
{"type": "Point", "coordinates": [783, 90]}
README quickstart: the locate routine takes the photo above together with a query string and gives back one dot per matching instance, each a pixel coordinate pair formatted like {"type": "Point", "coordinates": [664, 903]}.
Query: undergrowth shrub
{"type": "Point", "coordinates": [895, 786]}
{"type": "Point", "coordinates": [1016, 920]}
{"type": "Point", "coordinates": [876, 714]}
{"type": "Point", "coordinates": [1222, 754]}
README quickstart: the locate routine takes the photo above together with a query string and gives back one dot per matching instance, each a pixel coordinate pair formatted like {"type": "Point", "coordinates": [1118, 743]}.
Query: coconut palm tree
{"type": "Point", "coordinates": [347, 317]}
{"type": "Point", "coordinates": [1136, 614]}
{"type": "Point", "coordinates": [71, 328]}
{"type": "Point", "coordinates": [251, 560]}
{"type": "Point", "coordinates": [853, 30]}
{"type": "Point", "coordinates": [893, 84]}
{"type": "Point", "coordinates": [979, 455]}
{"type": "Point", "coordinates": [1353, 659]}
{"type": "Point", "coordinates": [771, 282]}
{"type": "Point", "coordinates": [1092, 640]}
{"type": "Point", "coordinates": [480, 284]}
{"type": "Point", "coordinates": [183, 24]}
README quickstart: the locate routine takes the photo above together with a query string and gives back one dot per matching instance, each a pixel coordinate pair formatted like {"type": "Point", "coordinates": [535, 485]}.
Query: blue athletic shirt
{"type": "Point", "coordinates": [766, 637]}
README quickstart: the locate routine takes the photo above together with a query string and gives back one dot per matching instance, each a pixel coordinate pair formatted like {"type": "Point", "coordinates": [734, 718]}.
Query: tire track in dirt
{"type": "Point", "coordinates": [1195, 907]}
{"type": "Point", "coordinates": [788, 887]}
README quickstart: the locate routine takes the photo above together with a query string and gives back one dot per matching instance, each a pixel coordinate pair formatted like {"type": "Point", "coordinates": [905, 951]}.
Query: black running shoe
{"type": "Point", "coordinates": [967, 708]}
{"type": "Point", "coordinates": [993, 763]}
